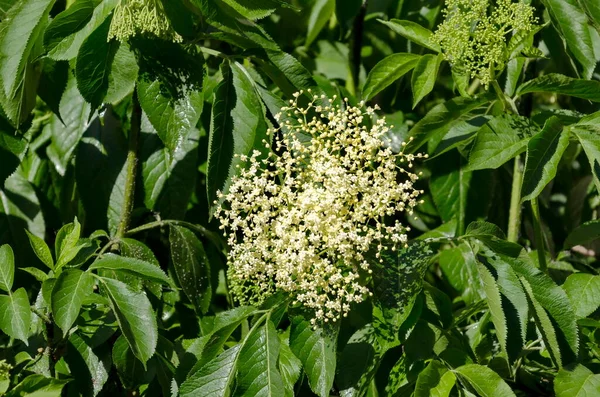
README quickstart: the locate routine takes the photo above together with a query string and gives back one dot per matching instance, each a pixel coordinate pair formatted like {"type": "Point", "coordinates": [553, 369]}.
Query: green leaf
{"type": "Point", "coordinates": [255, 9]}
{"type": "Point", "coordinates": [66, 131]}
{"type": "Point", "coordinates": [94, 64]}
{"type": "Point", "coordinates": [560, 84]}
{"type": "Point", "coordinates": [461, 135]}
{"type": "Point", "coordinates": [135, 316]}
{"type": "Point", "coordinates": [593, 10]}
{"type": "Point", "coordinates": [38, 386]}
{"type": "Point", "coordinates": [544, 152]}
{"type": "Point", "coordinates": [257, 365]}
{"type": "Point", "coordinates": [460, 268]}
{"type": "Point", "coordinates": [215, 378]}
{"type": "Point", "coordinates": [319, 16]}
{"type": "Point", "coordinates": [89, 371]}
{"type": "Point", "coordinates": [441, 118]}
{"type": "Point", "coordinates": [68, 22]}
{"type": "Point", "coordinates": [484, 381]}
{"type": "Point", "coordinates": [131, 370]}
{"type": "Point", "coordinates": [66, 245]}
{"type": "Point", "coordinates": [12, 150]}
{"type": "Point", "coordinates": [576, 382]}
{"type": "Point", "coordinates": [501, 139]}
{"type": "Point", "coordinates": [236, 100]}
{"type": "Point", "coordinates": [588, 134]}
{"type": "Point", "coordinates": [583, 291]}
{"type": "Point", "coordinates": [67, 39]}
{"type": "Point", "coordinates": [424, 76]}
{"type": "Point", "coordinates": [132, 266]}
{"type": "Point", "coordinates": [123, 75]}
{"type": "Point", "coordinates": [386, 71]}
{"type": "Point", "coordinates": [290, 367]}
{"type": "Point", "coordinates": [584, 234]}
{"type": "Point", "coordinates": [571, 22]}
{"type": "Point", "coordinates": [70, 290]}
{"type": "Point", "coordinates": [316, 350]}
{"type": "Point", "coordinates": [41, 249]}
{"type": "Point", "coordinates": [7, 267]}
{"type": "Point", "coordinates": [494, 302]}
{"type": "Point", "coordinates": [170, 89]}
{"type": "Point", "coordinates": [434, 381]}
{"type": "Point", "coordinates": [19, 32]}
{"type": "Point", "coordinates": [15, 314]}
{"type": "Point", "coordinates": [191, 266]}
{"type": "Point", "coordinates": [413, 32]}
{"type": "Point", "coordinates": [35, 272]}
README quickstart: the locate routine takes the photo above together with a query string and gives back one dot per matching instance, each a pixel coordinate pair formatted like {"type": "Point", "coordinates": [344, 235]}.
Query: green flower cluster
{"type": "Point", "coordinates": [473, 36]}
{"type": "Point", "coordinates": [141, 16]}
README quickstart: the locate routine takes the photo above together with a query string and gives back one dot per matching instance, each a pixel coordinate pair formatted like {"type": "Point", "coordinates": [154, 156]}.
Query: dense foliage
{"type": "Point", "coordinates": [307, 197]}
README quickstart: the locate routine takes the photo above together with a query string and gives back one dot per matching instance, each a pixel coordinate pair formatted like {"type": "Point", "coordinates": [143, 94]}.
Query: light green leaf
{"type": "Point", "coordinates": [89, 371]}
{"type": "Point", "coordinates": [94, 64]}
{"type": "Point", "coordinates": [7, 267]}
{"type": "Point", "coordinates": [255, 9]}
{"type": "Point", "coordinates": [386, 71]}
{"type": "Point", "coordinates": [12, 150]}
{"type": "Point", "coordinates": [494, 302]}
{"type": "Point", "coordinates": [501, 139]}
{"type": "Point", "coordinates": [290, 367]}
{"type": "Point", "coordinates": [316, 350]}
{"type": "Point", "coordinates": [38, 386]}
{"type": "Point", "coordinates": [68, 22]}
{"type": "Point", "coordinates": [135, 316]}
{"type": "Point", "coordinates": [460, 268]}
{"type": "Point", "coordinates": [215, 378]}
{"type": "Point", "coordinates": [65, 244]}
{"type": "Point", "coordinates": [544, 152]}
{"type": "Point", "coordinates": [571, 22]}
{"type": "Point", "coordinates": [593, 10]}
{"type": "Point", "coordinates": [257, 365]}
{"type": "Point", "coordinates": [560, 84]}
{"type": "Point", "coordinates": [461, 135]}
{"type": "Point", "coordinates": [69, 292]}
{"type": "Point", "coordinates": [424, 76]}
{"type": "Point", "coordinates": [35, 272]}
{"type": "Point", "coordinates": [433, 382]}
{"type": "Point", "coordinates": [588, 134]}
{"type": "Point", "coordinates": [584, 234]}
{"type": "Point", "coordinates": [584, 292]}
{"type": "Point", "coordinates": [413, 32]}
{"type": "Point", "coordinates": [123, 75]}
{"type": "Point", "coordinates": [15, 314]}
{"type": "Point", "coordinates": [576, 382]}
{"type": "Point", "coordinates": [41, 249]}
{"type": "Point", "coordinates": [132, 266]}
{"type": "Point", "coordinates": [191, 266]}
{"type": "Point", "coordinates": [486, 382]}
{"type": "Point", "coordinates": [319, 16]}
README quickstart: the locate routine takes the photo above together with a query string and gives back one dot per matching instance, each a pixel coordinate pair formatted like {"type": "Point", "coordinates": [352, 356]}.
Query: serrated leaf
{"type": "Point", "coordinates": [66, 244]}
{"type": "Point", "coordinates": [585, 233]}
{"type": "Point", "coordinates": [257, 365]}
{"type": "Point", "coordinates": [15, 314]}
{"type": "Point", "coordinates": [494, 302]}
{"type": "Point", "coordinates": [255, 9]}
{"type": "Point", "coordinates": [7, 267]}
{"type": "Point", "coordinates": [41, 249]}
{"type": "Point", "coordinates": [424, 76]}
{"type": "Point", "coordinates": [316, 350]}
{"type": "Point", "coordinates": [576, 382]}
{"type": "Point", "coordinates": [191, 266]}
{"type": "Point", "coordinates": [290, 367]}
{"type": "Point", "coordinates": [571, 22]}
{"type": "Point", "coordinates": [36, 273]}
{"type": "Point", "coordinates": [94, 64]}
{"type": "Point", "coordinates": [593, 10]}
{"type": "Point", "coordinates": [69, 292]}
{"type": "Point", "coordinates": [135, 249]}
{"type": "Point", "coordinates": [123, 75]}
{"type": "Point", "coordinates": [501, 139]}
{"type": "Point", "coordinates": [413, 32]}
{"type": "Point", "coordinates": [136, 267]}
{"type": "Point", "coordinates": [460, 268]}
{"type": "Point", "coordinates": [38, 386]}
{"type": "Point", "coordinates": [486, 382]}
{"type": "Point", "coordinates": [588, 134]}
{"type": "Point", "coordinates": [89, 371]}
{"type": "Point", "coordinates": [131, 370]}
{"type": "Point", "coordinates": [215, 378]}
{"type": "Point", "coordinates": [237, 127]}
{"type": "Point", "coordinates": [68, 129]}
{"type": "Point", "coordinates": [433, 382]}
{"type": "Point", "coordinates": [584, 292]}
{"type": "Point", "coordinates": [319, 16]}
{"type": "Point", "coordinates": [68, 22]}
{"type": "Point", "coordinates": [461, 134]}
{"type": "Point", "coordinates": [12, 150]}
{"type": "Point", "coordinates": [544, 152]}
{"type": "Point", "coordinates": [135, 316]}
{"type": "Point", "coordinates": [386, 71]}
{"type": "Point", "coordinates": [560, 84]}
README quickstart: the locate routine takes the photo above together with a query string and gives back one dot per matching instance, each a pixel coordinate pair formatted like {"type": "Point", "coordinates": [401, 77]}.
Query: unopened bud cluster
{"type": "Point", "coordinates": [132, 17]}
{"type": "Point", "coordinates": [473, 35]}
{"type": "Point", "coordinates": [303, 221]}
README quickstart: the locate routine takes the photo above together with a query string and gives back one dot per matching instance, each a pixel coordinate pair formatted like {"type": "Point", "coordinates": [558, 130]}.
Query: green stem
{"type": "Point", "coordinates": [132, 162]}
{"type": "Point", "coordinates": [514, 215]}
{"type": "Point", "coordinates": [539, 237]}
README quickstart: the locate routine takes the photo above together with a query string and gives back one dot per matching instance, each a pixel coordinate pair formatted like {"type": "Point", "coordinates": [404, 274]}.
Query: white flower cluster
{"type": "Point", "coordinates": [303, 221]}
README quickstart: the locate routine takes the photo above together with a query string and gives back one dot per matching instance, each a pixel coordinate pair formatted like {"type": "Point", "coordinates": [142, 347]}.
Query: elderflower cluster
{"type": "Point", "coordinates": [306, 217]}
{"type": "Point", "coordinates": [131, 17]}
{"type": "Point", "coordinates": [474, 39]}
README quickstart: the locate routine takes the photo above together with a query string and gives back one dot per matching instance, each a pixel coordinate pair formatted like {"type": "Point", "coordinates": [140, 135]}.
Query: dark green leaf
{"type": "Point", "coordinates": [131, 370]}
{"type": "Point", "coordinates": [319, 16]}
{"type": "Point", "coordinates": [576, 382]}
{"type": "Point", "coordinates": [123, 75]}
{"type": "Point", "coordinates": [460, 268]}
{"type": "Point", "coordinates": [449, 186]}
{"type": "Point", "coordinates": [486, 382]}
{"type": "Point", "coordinates": [215, 378]}
{"type": "Point", "coordinates": [15, 314]}
{"type": "Point", "coordinates": [559, 84]}
{"type": "Point", "coordinates": [290, 367]}
{"type": "Point", "coordinates": [461, 134]}
{"type": "Point", "coordinates": [583, 291]}
{"type": "Point", "coordinates": [38, 386]}
{"type": "Point", "coordinates": [584, 234]}
{"type": "Point", "coordinates": [433, 381]}
{"type": "Point", "coordinates": [68, 22]}
{"type": "Point", "coordinates": [386, 71]}
{"type": "Point", "coordinates": [191, 266]}
{"type": "Point", "coordinates": [544, 152]}
{"type": "Point", "coordinates": [89, 371]}
{"type": "Point", "coordinates": [69, 292]}
{"type": "Point", "coordinates": [7, 267]}
{"type": "Point", "coordinates": [424, 76]}
{"type": "Point", "coordinates": [12, 150]}
{"type": "Point", "coordinates": [413, 32]}
{"type": "Point", "coordinates": [588, 134]}
{"type": "Point", "coordinates": [135, 316]}
{"type": "Point", "coordinates": [132, 266]}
